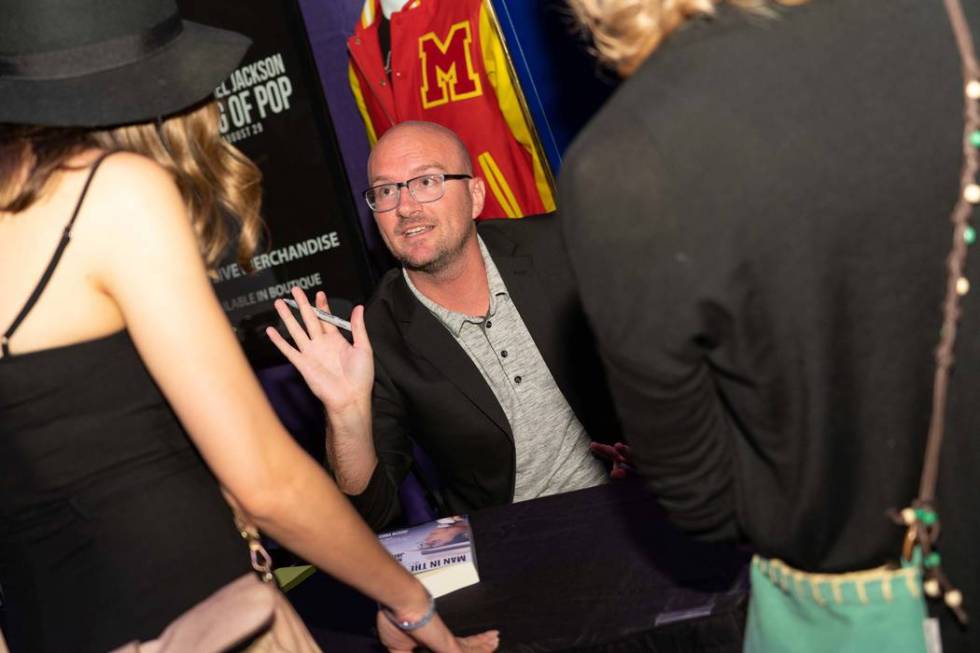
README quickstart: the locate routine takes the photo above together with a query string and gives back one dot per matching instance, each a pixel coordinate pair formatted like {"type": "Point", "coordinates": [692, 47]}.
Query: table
{"type": "Point", "coordinates": [595, 570]}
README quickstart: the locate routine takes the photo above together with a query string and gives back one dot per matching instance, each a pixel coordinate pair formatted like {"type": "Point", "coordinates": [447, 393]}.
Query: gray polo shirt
{"type": "Point", "coordinates": [552, 447]}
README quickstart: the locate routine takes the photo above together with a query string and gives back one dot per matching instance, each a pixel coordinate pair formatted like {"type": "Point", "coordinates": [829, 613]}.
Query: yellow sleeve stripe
{"type": "Point", "coordinates": [367, 14]}
{"type": "Point", "coordinates": [509, 99]}
{"type": "Point", "coordinates": [499, 186]}
{"type": "Point", "coordinates": [355, 87]}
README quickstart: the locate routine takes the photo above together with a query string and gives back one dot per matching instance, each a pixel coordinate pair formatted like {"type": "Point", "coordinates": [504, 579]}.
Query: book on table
{"type": "Point", "coordinates": [439, 553]}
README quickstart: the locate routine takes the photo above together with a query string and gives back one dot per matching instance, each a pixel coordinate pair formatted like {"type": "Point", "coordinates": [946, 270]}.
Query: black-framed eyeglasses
{"type": "Point", "coordinates": [425, 188]}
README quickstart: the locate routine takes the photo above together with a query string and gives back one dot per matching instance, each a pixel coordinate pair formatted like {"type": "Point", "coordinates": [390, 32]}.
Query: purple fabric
{"type": "Point", "coordinates": [297, 408]}
{"type": "Point", "coordinates": [302, 414]}
{"type": "Point", "coordinates": [415, 509]}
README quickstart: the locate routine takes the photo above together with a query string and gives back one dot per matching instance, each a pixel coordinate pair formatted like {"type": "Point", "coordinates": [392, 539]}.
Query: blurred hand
{"type": "Point", "coordinates": [339, 373]}
{"type": "Point", "coordinates": [434, 636]}
{"type": "Point", "coordinates": [618, 454]}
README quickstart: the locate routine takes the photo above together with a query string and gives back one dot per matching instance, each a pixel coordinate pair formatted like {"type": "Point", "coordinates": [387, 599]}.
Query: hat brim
{"type": "Point", "coordinates": [175, 77]}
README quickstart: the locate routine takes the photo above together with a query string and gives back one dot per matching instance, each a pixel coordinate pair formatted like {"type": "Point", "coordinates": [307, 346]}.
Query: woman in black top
{"type": "Point", "coordinates": [759, 221]}
{"type": "Point", "coordinates": [115, 350]}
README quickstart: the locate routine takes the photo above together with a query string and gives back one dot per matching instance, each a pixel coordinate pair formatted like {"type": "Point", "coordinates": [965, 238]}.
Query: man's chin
{"type": "Point", "coordinates": [428, 265]}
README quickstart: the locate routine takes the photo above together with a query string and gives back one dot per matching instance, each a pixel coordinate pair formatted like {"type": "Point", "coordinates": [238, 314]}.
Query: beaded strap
{"type": "Point", "coordinates": [921, 518]}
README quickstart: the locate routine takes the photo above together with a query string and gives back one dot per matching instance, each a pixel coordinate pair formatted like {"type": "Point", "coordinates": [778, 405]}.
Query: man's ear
{"type": "Point", "coordinates": [478, 191]}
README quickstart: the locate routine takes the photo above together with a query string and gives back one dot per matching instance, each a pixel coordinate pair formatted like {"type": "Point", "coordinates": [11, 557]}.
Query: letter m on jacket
{"type": "Point", "coordinates": [447, 67]}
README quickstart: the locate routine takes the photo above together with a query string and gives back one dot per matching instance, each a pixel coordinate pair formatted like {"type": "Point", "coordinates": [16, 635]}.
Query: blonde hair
{"type": "Point", "coordinates": [220, 186]}
{"type": "Point", "coordinates": [625, 32]}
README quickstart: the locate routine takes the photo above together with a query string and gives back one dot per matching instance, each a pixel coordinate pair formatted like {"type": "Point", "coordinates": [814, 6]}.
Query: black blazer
{"type": "Point", "coordinates": [427, 389]}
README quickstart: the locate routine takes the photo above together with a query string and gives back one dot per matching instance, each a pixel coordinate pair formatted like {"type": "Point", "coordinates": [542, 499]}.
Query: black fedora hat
{"type": "Point", "coordinates": [97, 63]}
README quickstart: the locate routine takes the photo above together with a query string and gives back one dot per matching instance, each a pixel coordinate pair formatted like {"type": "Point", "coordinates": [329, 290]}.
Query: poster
{"type": "Point", "coordinates": [272, 109]}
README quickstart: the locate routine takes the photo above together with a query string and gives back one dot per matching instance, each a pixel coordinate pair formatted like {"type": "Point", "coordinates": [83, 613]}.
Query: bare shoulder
{"type": "Point", "coordinates": [132, 215]}
{"type": "Point", "coordinates": [133, 184]}
{"type": "Point", "coordinates": [132, 197]}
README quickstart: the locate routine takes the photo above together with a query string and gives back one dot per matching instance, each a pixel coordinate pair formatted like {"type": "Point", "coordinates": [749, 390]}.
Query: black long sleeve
{"type": "Point", "coordinates": [758, 223]}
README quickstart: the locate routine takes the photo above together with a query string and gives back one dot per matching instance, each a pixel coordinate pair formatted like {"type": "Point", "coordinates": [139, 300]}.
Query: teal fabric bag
{"type": "Point", "coordinates": [873, 611]}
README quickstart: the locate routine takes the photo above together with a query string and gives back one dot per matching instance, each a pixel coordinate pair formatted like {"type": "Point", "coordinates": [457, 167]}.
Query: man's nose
{"type": "Point", "coordinates": [406, 199]}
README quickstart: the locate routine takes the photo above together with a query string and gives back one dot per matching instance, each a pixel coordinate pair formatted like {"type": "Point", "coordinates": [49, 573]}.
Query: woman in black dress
{"type": "Point", "coordinates": [114, 192]}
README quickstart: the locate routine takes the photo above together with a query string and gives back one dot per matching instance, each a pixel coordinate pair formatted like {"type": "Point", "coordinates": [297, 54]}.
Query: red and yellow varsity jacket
{"type": "Point", "coordinates": [449, 66]}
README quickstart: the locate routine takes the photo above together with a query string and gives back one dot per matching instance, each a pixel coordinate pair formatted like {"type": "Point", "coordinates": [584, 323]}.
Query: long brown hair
{"type": "Point", "coordinates": [220, 186]}
{"type": "Point", "coordinates": [625, 32]}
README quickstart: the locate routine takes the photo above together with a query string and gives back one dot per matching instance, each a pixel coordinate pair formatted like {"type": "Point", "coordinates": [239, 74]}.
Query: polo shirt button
{"type": "Point", "coordinates": [517, 379]}
{"type": "Point", "coordinates": [503, 353]}
{"type": "Point", "coordinates": [489, 324]}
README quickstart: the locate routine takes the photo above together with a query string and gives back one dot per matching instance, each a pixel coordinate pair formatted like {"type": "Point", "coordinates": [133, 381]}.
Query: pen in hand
{"type": "Point", "coordinates": [329, 318]}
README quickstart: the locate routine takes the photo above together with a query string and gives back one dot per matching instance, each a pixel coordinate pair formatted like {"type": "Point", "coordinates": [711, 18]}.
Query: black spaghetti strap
{"type": "Point", "coordinates": [62, 244]}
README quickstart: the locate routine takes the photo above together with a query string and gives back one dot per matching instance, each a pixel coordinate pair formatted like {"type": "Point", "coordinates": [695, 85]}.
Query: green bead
{"type": "Point", "coordinates": [931, 561]}
{"type": "Point", "coordinates": [969, 235]}
{"type": "Point", "coordinates": [926, 517]}
{"type": "Point", "coordinates": [975, 138]}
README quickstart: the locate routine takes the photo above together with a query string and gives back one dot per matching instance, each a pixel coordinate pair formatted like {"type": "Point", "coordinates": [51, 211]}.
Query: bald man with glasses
{"type": "Point", "coordinates": [482, 353]}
